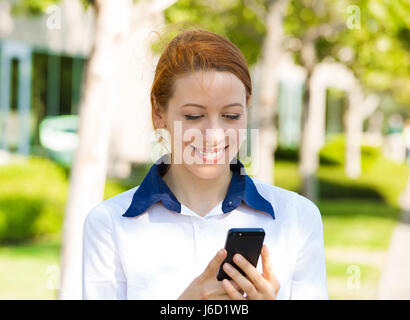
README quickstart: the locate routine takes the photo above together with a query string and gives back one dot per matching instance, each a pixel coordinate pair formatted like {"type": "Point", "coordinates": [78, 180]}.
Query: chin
{"type": "Point", "coordinates": [207, 171]}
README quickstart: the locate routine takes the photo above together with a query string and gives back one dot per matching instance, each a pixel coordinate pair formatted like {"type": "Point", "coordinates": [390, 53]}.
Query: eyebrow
{"type": "Point", "coordinates": [201, 106]}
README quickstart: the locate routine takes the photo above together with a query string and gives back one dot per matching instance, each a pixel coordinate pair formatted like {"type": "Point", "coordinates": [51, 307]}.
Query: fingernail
{"type": "Point", "coordinates": [227, 266]}
{"type": "Point", "coordinates": [238, 258]}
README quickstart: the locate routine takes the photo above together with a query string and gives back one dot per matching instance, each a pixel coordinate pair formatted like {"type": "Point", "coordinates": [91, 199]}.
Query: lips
{"type": "Point", "coordinates": [210, 155]}
{"type": "Point", "coordinates": [215, 149]}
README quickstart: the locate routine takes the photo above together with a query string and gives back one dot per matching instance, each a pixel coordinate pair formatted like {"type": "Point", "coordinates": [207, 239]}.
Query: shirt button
{"type": "Point", "coordinates": [230, 203]}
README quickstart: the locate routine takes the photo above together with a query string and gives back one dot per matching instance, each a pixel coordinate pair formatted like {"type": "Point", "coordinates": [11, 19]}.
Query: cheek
{"type": "Point", "coordinates": [237, 131]}
{"type": "Point", "coordinates": [183, 134]}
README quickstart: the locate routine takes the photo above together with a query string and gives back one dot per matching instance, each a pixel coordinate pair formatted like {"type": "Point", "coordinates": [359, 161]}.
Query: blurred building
{"type": "Point", "coordinates": [43, 58]}
{"type": "Point", "coordinates": [290, 104]}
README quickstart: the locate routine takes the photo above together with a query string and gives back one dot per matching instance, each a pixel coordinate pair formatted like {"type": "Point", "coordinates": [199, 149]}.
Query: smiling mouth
{"type": "Point", "coordinates": [213, 155]}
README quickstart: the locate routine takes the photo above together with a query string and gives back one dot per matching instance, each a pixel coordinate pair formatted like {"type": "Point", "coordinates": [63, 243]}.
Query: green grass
{"type": "Point", "coordinates": [361, 226]}
{"type": "Point", "coordinates": [358, 214]}
{"type": "Point", "coordinates": [358, 223]}
{"type": "Point", "coordinates": [352, 280]}
{"type": "Point", "coordinates": [30, 271]}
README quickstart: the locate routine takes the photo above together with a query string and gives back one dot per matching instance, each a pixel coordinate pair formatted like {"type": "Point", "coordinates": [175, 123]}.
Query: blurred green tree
{"type": "Point", "coordinates": [370, 37]}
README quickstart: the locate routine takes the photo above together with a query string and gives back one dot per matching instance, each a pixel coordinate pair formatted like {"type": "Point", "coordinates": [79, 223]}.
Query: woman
{"type": "Point", "coordinates": [164, 239]}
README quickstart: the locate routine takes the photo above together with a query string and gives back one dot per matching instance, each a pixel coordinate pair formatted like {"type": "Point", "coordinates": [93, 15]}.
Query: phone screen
{"type": "Point", "coordinates": [246, 241]}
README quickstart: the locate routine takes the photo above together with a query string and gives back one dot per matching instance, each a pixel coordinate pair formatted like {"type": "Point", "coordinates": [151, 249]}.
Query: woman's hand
{"type": "Point", "coordinates": [257, 286]}
{"type": "Point", "coordinates": [206, 286]}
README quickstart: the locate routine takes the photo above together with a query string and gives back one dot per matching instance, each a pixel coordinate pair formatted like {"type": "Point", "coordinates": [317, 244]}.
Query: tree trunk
{"type": "Point", "coordinates": [323, 76]}
{"type": "Point", "coordinates": [354, 128]}
{"type": "Point", "coordinates": [88, 173]}
{"type": "Point", "coordinates": [271, 53]}
{"type": "Point", "coordinates": [312, 103]}
{"type": "Point", "coordinates": [118, 22]}
{"type": "Point", "coordinates": [359, 109]}
{"type": "Point", "coordinates": [355, 116]}
{"type": "Point", "coordinates": [311, 136]}
{"type": "Point", "coordinates": [404, 199]}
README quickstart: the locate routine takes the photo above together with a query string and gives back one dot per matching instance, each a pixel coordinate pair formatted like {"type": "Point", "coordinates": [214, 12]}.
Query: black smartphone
{"type": "Point", "coordinates": [246, 241]}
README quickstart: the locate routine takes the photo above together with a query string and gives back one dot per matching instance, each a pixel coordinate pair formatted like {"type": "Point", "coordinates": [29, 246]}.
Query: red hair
{"type": "Point", "coordinates": [196, 50]}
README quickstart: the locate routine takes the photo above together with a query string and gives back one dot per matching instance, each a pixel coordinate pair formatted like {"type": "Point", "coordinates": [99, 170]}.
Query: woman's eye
{"type": "Point", "coordinates": [228, 116]}
{"type": "Point", "coordinates": [232, 116]}
{"type": "Point", "coordinates": [189, 117]}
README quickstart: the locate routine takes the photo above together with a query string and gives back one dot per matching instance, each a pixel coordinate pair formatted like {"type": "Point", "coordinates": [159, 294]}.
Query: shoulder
{"type": "Point", "coordinates": [110, 209]}
{"type": "Point", "coordinates": [289, 204]}
{"type": "Point", "coordinates": [273, 193]}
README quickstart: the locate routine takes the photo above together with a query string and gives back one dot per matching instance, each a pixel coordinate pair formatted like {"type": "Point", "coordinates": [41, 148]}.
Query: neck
{"type": "Point", "coordinates": [206, 194]}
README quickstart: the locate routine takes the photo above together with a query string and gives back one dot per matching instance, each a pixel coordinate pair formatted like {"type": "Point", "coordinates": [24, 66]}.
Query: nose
{"type": "Point", "coordinates": [214, 136]}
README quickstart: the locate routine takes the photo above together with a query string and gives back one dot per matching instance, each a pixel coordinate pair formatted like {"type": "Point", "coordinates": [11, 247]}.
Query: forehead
{"type": "Point", "coordinates": [205, 87]}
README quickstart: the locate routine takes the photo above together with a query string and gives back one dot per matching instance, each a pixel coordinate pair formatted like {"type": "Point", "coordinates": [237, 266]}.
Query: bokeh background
{"type": "Point", "coordinates": [331, 96]}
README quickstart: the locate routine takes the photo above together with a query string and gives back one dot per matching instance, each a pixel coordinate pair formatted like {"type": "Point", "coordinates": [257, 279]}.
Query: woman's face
{"type": "Point", "coordinates": [207, 120]}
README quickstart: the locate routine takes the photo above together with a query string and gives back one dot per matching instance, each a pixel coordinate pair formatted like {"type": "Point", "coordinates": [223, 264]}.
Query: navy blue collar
{"type": "Point", "coordinates": [154, 189]}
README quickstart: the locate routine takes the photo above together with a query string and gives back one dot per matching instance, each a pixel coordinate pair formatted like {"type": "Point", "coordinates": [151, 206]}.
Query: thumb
{"type": "Point", "coordinates": [213, 266]}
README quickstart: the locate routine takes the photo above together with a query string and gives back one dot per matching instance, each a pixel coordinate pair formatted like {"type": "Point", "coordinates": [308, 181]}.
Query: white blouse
{"type": "Point", "coordinates": [147, 245]}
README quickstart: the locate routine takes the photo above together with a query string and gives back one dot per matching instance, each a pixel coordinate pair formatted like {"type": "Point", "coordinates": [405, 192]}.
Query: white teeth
{"type": "Point", "coordinates": [210, 155]}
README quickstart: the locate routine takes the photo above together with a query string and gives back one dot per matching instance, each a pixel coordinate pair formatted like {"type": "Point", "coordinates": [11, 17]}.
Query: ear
{"type": "Point", "coordinates": [158, 116]}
